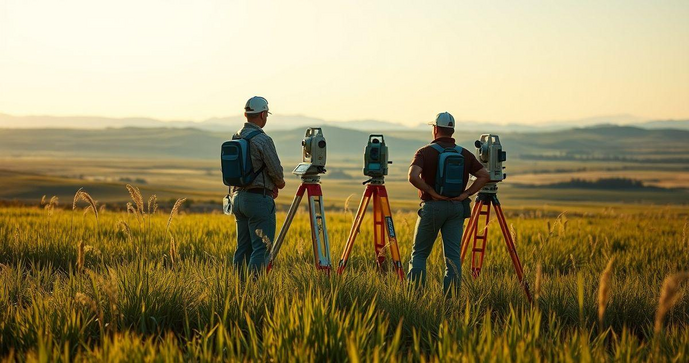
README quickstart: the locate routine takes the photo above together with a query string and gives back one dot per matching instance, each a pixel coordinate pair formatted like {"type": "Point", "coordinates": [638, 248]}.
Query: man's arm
{"type": "Point", "coordinates": [415, 180]}
{"type": "Point", "coordinates": [482, 177]}
{"type": "Point", "coordinates": [273, 167]}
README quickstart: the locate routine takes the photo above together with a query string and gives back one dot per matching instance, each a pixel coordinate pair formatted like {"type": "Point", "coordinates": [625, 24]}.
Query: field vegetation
{"type": "Point", "coordinates": [78, 281]}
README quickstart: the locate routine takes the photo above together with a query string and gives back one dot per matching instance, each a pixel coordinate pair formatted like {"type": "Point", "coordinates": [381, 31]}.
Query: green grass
{"type": "Point", "coordinates": [128, 300]}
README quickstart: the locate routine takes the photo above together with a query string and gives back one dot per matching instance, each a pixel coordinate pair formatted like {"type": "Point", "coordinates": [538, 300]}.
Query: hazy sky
{"type": "Point", "coordinates": [401, 61]}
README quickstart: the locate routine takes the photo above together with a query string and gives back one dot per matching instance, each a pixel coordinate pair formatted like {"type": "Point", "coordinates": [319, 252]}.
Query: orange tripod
{"type": "Point", "coordinates": [480, 236]}
{"type": "Point", "coordinates": [319, 232]}
{"type": "Point", "coordinates": [382, 226]}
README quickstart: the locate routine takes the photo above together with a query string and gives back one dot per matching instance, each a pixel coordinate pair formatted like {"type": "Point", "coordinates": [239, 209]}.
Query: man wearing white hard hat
{"type": "Point", "coordinates": [253, 206]}
{"type": "Point", "coordinates": [441, 210]}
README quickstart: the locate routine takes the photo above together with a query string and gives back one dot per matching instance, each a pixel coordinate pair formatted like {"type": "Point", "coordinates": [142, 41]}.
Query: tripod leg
{"type": "Point", "coordinates": [392, 236]}
{"type": "Point", "coordinates": [512, 250]}
{"type": "Point", "coordinates": [285, 226]}
{"type": "Point", "coordinates": [478, 251]}
{"type": "Point", "coordinates": [378, 230]}
{"type": "Point", "coordinates": [471, 227]}
{"type": "Point", "coordinates": [319, 230]}
{"type": "Point", "coordinates": [354, 232]}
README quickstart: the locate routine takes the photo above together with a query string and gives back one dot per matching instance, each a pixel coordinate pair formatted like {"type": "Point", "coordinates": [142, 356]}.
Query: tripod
{"type": "Point", "coordinates": [319, 233]}
{"type": "Point", "coordinates": [382, 225]}
{"type": "Point", "coordinates": [486, 198]}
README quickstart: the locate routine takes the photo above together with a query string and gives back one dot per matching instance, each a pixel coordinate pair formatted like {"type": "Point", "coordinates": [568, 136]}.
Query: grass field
{"type": "Point", "coordinates": [124, 287]}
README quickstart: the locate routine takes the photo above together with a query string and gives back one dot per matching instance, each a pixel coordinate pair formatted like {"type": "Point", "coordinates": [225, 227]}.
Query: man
{"type": "Point", "coordinates": [253, 206]}
{"type": "Point", "coordinates": [440, 213]}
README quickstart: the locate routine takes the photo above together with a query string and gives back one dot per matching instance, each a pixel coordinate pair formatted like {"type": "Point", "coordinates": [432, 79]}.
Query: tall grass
{"type": "Point", "coordinates": [180, 298]}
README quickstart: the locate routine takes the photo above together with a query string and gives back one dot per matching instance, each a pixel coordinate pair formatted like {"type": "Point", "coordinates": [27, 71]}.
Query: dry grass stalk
{"type": "Point", "coordinates": [87, 209]}
{"type": "Point", "coordinates": [152, 204]}
{"type": "Point", "coordinates": [124, 227]}
{"type": "Point", "coordinates": [173, 246]}
{"type": "Point", "coordinates": [539, 280]}
{"type": "Point", "coordinates": [84, 300]}
{"type": "Point", "coordinates": [130, 208]}
{"type": "Point", "coordinates": [604, 290]}
{"type": "Point", "coordinates": [346, 205]}
{"type": "Point", "coordinates": [266, 241]}
{"type": "Point", "coordinates": [173, 251]}
{"type": "Point", "coordinates": [669, 295]}
{"type": "Point", "coordinates": [80, 256]}
{"type": "Point", "coordinates": [43, 200]}
{"type": "Point", "coordinates": [173, 212]}
{"type": "Point", "coordinates": [76, 198]}
{"type": "Point", "coordinates": [574, 265]}
{"type": "Point", "coordinates": [86, 197]}
{"type": "Point", "coordinates": [138, 199]}
{"type": "Point", "coordinates": [101, 209]}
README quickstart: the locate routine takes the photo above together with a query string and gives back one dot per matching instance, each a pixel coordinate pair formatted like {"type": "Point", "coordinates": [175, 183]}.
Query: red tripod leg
{"type": "Point", "coordinates": [390, 228]}
{"type": "Point", "coordinates": [478, 251]}
{"type": "Point", "coordinates": [378, 229]}
{"type": "Point", "coordinates": [471, 228]}
{"type": "Point", "coordinates": [511, 249]}
{"type": "Point", "coordinates": [354, 231]}
{"type": "Point", "coordinates": [285, 226]}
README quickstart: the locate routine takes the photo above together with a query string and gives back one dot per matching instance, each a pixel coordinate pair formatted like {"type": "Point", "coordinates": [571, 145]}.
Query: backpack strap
{"type": "Point", "coordinates": [252, 134]}
{"type": "Point", "coordinates": [441, 149]}
{"type": "Point", "coordinates": [437, 148]}
{"type": "Point", "coordinates": [248, 139]}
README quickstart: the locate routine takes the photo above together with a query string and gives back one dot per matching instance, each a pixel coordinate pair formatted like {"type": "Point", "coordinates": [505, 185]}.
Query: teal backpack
{"type": "Point", "coordinates": [235, 159]}
{"type": "Point", "coordinates": [449, 179]}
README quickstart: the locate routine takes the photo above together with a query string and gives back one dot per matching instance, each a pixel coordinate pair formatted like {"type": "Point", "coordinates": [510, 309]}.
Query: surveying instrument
{"type": "Point", "coordinates": [491, 155]}
{"type": "Point", "coordinates": [376, 166]}
{"type": "Point", "coordinates": [312, 165]}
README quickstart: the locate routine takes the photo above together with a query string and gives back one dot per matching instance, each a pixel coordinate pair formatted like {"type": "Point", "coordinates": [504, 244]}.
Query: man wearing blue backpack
{"type": "Point", "coordinates": [252, 195]}
{"type": "Point", "coordinates": [440, 171]}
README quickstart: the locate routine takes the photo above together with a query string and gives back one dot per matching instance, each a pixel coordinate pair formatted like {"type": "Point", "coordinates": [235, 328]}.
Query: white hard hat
{"type": "Point", "coordinates": [444, 119]}
{"type": "Point", "coordinates": [256, 104]}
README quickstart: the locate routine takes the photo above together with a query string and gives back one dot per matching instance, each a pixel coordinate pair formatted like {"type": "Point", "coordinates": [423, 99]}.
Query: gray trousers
{"type": "Point", "coordinates": [448, 218]}
{"type": "Point", "coordinates": [253, 212]}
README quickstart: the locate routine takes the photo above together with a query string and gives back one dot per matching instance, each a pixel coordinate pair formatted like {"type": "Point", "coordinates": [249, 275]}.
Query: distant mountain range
{"type": "Point", "coordinates": [287, 122]}
{"type": "Point", "coordinates": [602, 143]}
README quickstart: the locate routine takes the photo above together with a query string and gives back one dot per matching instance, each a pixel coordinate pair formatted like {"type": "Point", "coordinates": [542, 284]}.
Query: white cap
{"type": "Point", "coordinates": [444, 119]}
{"type": "Point", "coordinates": [256, 104]}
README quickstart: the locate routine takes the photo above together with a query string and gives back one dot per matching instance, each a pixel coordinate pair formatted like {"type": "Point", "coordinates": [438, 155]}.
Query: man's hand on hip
{"type": "Point", "coordinates": [461, 197]}
{"type": "Point", "coordinates": [436, 196]}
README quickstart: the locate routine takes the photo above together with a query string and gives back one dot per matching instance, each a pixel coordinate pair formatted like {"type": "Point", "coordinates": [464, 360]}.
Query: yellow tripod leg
{"type": "Point", "coordinates": [390, 228]}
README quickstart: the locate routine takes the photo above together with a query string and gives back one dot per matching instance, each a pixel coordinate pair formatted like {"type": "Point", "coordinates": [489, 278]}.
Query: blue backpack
{"type": "Point", "coordinates": [449, 179]}
{"type": "Point", "coordinates": [235, 159]}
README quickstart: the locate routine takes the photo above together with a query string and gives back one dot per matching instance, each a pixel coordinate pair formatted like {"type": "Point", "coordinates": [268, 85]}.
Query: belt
{"type": "Point", "coordinates": [261, 191]}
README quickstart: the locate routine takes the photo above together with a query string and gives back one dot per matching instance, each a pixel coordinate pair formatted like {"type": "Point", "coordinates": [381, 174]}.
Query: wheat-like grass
{"type": "Point", "coordinates": [669, 295]}
{"type": "Point", "coordinates": [124, 227]}
{"type": "Point", "coordinates": [604, 290]}
{"type": "Point", "coordinates": [43, 200]}
{"type": "Point", "coordinates": [173, 246]}
{"type": "Point", "coordinates": [86, 197]}
{"type": "Point", "coordinates": [539, 280]}
{"type": "Point", "coordinates": [77, 196]}
{"type": "Point", "coordinates": [173, 250]}
{"type": "Point", "coordinates": [152, 204]}
{"type": "Point", "coordinates": [266, 241]}
{"type": "Point", "coordinates": [80, 256]}
{"type": "Point", "coordinates": [136, 196]}
{"type": "Point", "coordinates": [130, 208]}
{"type": "Point", "coordinates": [173, 212]}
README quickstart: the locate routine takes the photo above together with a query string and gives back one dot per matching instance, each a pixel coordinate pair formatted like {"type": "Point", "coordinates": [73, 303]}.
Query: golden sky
{"type": "Point", "coordinates": [400, 61]}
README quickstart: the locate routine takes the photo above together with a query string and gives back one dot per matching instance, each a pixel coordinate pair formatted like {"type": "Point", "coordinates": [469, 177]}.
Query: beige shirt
{"type": "Point", "coordinates": [263, 152]}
